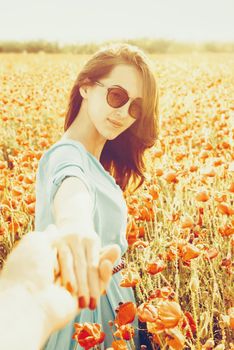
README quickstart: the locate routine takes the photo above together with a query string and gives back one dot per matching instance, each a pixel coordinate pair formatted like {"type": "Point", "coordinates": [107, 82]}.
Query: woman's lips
{"type": "Point", "coordinates": [115, 123]}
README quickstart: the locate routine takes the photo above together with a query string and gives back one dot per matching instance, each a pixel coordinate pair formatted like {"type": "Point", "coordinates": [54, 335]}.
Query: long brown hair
{"type": "Point", "coordinates": [123, 156]}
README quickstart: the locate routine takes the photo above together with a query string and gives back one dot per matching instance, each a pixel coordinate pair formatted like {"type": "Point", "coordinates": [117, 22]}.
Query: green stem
{"type": "Point", "coordinates": [76, 346]}
{"type": "Point", "coordinates": [132, 344]}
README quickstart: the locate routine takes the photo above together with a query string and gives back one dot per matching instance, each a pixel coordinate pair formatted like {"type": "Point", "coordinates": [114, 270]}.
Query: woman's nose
{"type": "Point", "coordinates": [122, 112]}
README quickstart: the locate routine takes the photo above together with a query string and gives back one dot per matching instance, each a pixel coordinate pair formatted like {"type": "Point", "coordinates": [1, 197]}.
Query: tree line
{"type": "Point", "coordinates": [152, 46]}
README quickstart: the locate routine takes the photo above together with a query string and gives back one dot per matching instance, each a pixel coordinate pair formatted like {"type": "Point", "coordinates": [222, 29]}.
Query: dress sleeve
{"type": "Point", "coordinates": [66, 160]}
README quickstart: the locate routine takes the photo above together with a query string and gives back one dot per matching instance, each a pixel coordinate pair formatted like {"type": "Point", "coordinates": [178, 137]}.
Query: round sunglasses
{"type": "Point", "coordinates": [117, 97]}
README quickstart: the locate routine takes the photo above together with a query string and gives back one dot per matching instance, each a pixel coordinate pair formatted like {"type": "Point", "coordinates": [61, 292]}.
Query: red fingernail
{"type": "Point", "coordinates": [82, 302]}
{"type": "Point", "coordinates": [69, 287]}
{"type": "Point", "coordinates": [92, 303]}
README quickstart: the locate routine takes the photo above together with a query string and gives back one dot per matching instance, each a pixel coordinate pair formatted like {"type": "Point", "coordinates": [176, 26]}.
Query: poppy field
{"type": "Point", "coordinates": [180, 222]}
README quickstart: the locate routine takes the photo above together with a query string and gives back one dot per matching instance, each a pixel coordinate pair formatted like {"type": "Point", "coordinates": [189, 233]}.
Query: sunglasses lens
{"type": "Point", "coordinates": [135, 108]}
{"type": "Point", "coordinates": [116, 97]}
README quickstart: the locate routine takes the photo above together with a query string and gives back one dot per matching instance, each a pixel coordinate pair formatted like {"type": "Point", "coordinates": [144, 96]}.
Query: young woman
{"type": "Point", "coordinates": [111, 119]}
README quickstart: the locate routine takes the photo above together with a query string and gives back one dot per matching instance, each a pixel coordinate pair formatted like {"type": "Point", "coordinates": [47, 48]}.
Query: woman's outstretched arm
{"type": "Point", "coordinates": [80, 265]}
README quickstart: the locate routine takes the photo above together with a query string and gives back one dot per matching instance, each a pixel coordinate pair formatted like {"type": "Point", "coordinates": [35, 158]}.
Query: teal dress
{"type": "Point", "coordinates": [70, 158]}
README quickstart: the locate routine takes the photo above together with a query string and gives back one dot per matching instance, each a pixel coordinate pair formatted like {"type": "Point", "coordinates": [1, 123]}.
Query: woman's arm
{"type": "Point", "coordinates": [73, 207]}
{"type": "Point", "coordinates": [79, 264]}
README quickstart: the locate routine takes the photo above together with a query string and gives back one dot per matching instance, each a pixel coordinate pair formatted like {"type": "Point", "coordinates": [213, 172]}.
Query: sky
{"type": "Point", "coordinates": [81, 21]}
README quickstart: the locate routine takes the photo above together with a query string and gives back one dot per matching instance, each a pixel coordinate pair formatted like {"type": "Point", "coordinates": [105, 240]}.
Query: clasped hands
{"type": "Point", "coordinates": [61, 272]}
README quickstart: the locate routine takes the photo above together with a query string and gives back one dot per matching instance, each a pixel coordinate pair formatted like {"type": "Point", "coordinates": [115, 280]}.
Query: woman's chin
{"type": "Point", "coordinates": [111, 135]}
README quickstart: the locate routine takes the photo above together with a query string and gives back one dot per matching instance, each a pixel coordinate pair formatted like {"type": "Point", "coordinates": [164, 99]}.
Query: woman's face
{"type": "Point", "coordinates": [109, 121]}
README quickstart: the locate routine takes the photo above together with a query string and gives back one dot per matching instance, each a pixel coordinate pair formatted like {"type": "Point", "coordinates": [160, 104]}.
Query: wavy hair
{"type": "Point", "coordinates": [123, 157]}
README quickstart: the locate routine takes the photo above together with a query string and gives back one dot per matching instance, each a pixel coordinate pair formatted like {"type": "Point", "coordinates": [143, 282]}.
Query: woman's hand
{"type": "Point", "coordinates": [84, 268]}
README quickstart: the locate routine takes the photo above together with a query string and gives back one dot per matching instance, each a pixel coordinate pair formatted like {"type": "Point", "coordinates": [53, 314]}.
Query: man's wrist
{"type": "Point", "coordinates": [20, 312]}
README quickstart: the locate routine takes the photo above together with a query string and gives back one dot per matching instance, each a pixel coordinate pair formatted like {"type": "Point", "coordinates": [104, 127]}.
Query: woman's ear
{"type": "Point", "coordinates": [84, 87]}
{"type": "Point", "coordinates": [83, 91]}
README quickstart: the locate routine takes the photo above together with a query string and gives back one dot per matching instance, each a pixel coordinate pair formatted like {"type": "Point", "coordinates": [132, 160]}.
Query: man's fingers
{"type": "Point", "coordinates": [60, 305]}
{"type": "Point", "coordinates": [85, 269]}
{"type": "Point", "coordinates": [55, 263]}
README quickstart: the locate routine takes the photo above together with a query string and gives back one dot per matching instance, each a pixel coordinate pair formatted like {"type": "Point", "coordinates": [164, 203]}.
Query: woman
{"type": "Point", "coordinates": [111, 120]}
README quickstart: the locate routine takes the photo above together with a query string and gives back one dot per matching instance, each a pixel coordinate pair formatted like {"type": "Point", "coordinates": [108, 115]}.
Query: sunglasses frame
{"type": "Point", "coordinates": [108, 88]}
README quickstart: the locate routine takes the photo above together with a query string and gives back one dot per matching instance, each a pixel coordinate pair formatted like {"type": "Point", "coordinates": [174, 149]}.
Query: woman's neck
{"type": "Point", "coordinates": [83, 130]}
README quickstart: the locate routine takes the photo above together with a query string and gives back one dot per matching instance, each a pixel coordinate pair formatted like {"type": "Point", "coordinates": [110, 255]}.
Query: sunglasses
{"type": "Point", "coordinates": [117, 97]}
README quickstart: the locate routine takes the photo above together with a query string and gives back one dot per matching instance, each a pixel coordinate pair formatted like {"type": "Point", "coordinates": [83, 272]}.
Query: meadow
{"type": "Point", "coordinates": [181, 221]}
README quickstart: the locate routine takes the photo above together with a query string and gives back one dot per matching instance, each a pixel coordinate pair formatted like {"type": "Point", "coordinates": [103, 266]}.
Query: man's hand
{"type": "Point", "coordinates": [33, 264]}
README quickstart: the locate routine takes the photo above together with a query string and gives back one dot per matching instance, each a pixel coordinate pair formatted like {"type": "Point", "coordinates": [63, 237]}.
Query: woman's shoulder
{"type": "Point", "coordinates": [64, 144]}
{"type": "Point", "coordinates": [64, 149]}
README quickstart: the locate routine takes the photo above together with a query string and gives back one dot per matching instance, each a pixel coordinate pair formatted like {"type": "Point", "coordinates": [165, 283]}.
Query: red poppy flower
{"type": "Point", "coordinates": [140, 244]}
{"type": "Point", "coordinates": [130, 278]}
{"type": "Point", "coordinates": [163, 293]}
{"type": "Point", "coordinates": [155, 267]}
{"type": "Point", "coordinates": [190, 322]}
{"type": "Point", "coordinates": [125, 313]}
{"type": "Point", "coordinates": [125, 332]}
{"type": "Point", "coordinates": [190, 251]}
{"type": "Point", "coordinates": [227, 230]}
{"type": "Point", "coordinates": [119, 345]}
{"type": "Point", "coordinates": [225, 209]}
{"type": "Point", "coordinates": [88, 334]}
{"type": "Point", "coordinates": [202, 195]}
{"type": "Point", "coordinates": [147, 312]}
{"type": "Point", "coordinates": [211, 253]}
{"type": "Point", "coordinates": [169, 313]}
